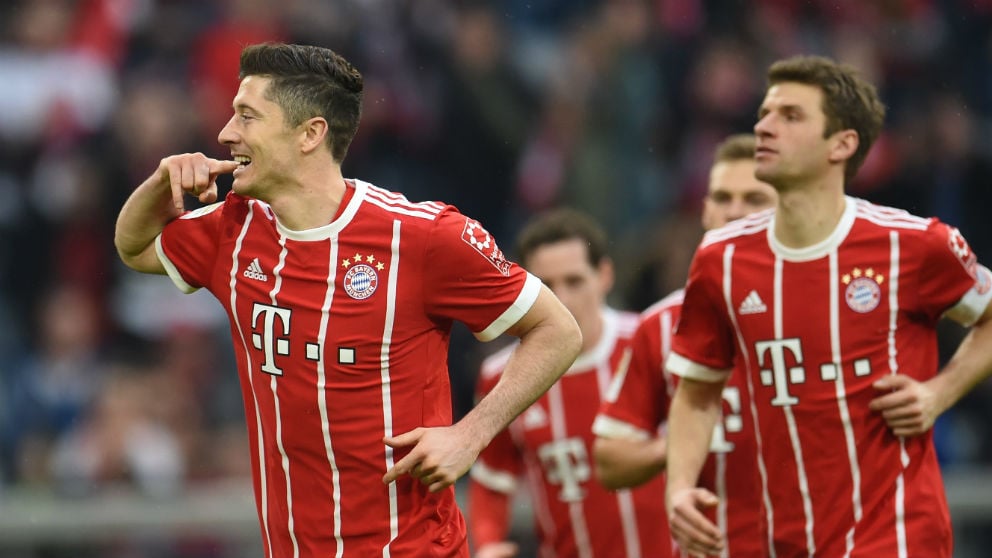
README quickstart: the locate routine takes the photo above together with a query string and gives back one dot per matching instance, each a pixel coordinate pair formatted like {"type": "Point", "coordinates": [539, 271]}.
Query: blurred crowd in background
{"type": "Point", "coordinates": [503, 108]}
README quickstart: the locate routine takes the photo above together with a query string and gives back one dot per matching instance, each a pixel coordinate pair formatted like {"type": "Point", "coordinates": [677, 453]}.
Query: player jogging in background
{"type": "Point", "coordinates": [828, 309]}
{"type": "Point", "coordinates": [630, 446]}
{"type": "Point", "coordinates": [549, 447]}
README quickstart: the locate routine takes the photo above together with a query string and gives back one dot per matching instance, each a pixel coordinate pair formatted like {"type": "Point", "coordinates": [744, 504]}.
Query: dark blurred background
{"type": "Point", "coordinates": [121, 428]}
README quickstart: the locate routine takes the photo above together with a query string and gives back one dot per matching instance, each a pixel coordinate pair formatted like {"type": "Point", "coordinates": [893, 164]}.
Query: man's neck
{"type": "Point", "coordinates": [806, 216]}
{"type": "Point", "coordinates": [310, 203]}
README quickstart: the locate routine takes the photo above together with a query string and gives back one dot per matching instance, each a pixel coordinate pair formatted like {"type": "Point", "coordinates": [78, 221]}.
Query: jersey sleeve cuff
{"type": "Point", "coordinates": [171, 269]}
{"type": "Point", "coordinates": [974, 302]}
{"type": "Point", "coordinates": [499, 481]}
{"type": "Point", "coordinates": [528, 294]}
{"type": "Point", "coordinates": [685, 368]}
{"type": "Point", "coordinates": [615, 429]}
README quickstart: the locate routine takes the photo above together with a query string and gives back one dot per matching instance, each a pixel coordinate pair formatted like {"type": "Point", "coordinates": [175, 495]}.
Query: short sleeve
{"type": "Point", "coordinates": [468, 278]}
{"type": "Point", "coordinates": [187, 247]}
{"type": "Point", "coordinates": [703, 344]}
{"type": "Point", "coordinates": [952, 282]}
{"type": "Point", "coordinates": [637, 401]}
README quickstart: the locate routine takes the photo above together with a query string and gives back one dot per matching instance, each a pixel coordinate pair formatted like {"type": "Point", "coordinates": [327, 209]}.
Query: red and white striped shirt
{"type": "Point", "coordinates": [550, 444]}
{"type": "Point", "coordinates": [636, 407]}
{"type": "Point", "coordinates": [341, 334]}
{"type": "Point", "coordinates": [811, 329]}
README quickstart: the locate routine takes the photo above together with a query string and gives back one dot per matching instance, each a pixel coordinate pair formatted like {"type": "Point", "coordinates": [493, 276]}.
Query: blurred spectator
{"type": "Point", "coordinates": [54, 383]}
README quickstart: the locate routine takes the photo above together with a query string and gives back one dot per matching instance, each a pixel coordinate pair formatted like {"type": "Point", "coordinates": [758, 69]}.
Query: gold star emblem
{"type": "Point", "coordinates": [380, 266]}
{"type": "Point", "coordinates": [370, 258]}
{"type": "Point", "coordinates": [856, 272]}
{"type": "Point", "coordinates": [345, 263]}
{"type": "Point", "coordinates": [846, 278]}
{"type": "Point", "coordinates": [879, 278]}
{"type": "Point", "coordinates": [357, 258]}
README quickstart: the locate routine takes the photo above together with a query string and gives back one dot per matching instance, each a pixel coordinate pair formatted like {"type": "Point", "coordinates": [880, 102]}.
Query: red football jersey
{"type": "Point", "coordinates": [811, 329]}
{"type": "Point", "coordinates": [637, 407]}
{"type": "Point", "coordinates": [550, 444]}
{"type": "Point", "coordinates": [341, 335]}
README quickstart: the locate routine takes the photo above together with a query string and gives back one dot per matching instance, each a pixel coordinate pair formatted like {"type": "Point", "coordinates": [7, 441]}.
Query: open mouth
{"type": "Point", "coordinates": [242, 160]}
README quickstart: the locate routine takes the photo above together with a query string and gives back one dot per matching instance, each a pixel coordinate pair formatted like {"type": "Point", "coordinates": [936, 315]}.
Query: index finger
{"type": "Point", "coordinates": [401, 467]}
{"type": "Point", "coordinates": [218, 166]}
{"type": "Point", "coordinates": [176, 183]}
{"type": "Point", "coordinates": [890, 400]}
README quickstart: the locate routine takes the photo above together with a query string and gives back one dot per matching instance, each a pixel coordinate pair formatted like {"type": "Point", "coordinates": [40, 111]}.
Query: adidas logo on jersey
{"type": "Point", "coordinates": [254, 271]}
{"type": "Point", "coordinates": [752, 304]}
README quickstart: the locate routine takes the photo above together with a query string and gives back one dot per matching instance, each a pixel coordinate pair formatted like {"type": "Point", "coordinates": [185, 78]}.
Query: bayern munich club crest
{"type": "Point", "coordinates": [362, 277]}
{"type": "Point", "coordinates": [864, 291]}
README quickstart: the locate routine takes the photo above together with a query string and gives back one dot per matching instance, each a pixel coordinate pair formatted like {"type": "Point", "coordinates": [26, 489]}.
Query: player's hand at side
{"type": "Point", "coordinates": [501, 549]}
{"type": "Point", "coordinates": [693, 531]}
{"type": "Point", "coordinates": [909, 407]}
{"type": "Point", "coordinates": [439, 456]}
{"type": "Point", "coordinates": [193, 173]}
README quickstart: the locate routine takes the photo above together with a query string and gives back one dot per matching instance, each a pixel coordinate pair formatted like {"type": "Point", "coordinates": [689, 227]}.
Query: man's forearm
{"type": "Point", "coordinates": [144, 215]}
{"type": "Point", "coordinates": [970, 365]}
{"type": "Point", "coordinates": [694, 411]}
{"type": "Point", "coordinates": [622, 463]}
{"type": "Point", "coordinates": [546, 350]}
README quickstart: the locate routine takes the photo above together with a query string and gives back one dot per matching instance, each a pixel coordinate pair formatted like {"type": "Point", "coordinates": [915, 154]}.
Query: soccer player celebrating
{"type": "Point", "coordinates": [551, 442]}
{"type": "Point", "coordinates": [827, 307]}
{"type": "Point", "coordinates": [630, 447]}
{"type": "Point", "coordinates": [341, 297]}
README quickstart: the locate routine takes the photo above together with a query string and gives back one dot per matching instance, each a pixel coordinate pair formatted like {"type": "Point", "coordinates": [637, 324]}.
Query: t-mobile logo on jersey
{"type": "Point", "coordinates": [566, 463]}
{"type": "Point", "coordinates": [780, 375]}
{"type": "Point", "coordinates": [731, 422]}
{"type": "Point", "coordinates": [271, 341]}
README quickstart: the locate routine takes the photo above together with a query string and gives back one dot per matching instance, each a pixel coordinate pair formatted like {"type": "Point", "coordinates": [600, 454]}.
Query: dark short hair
{"type": "Point", "coordinates": [849, 101]}
{"type": "Point", "coordinates": [309, 81]}
{"type": "Point", "coordinates": [558, 225]}
{"type": "Point", "coordinates": [735, 148]}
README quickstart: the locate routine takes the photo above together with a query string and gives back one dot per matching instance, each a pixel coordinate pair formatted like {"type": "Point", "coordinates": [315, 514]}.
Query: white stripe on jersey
{"type": "Point", "coordinates": [387, 396]}
{"type": "Point", "coordinates": [264, 505]}
{"type": "Point", "coordinates": [900, 503]}
{"type": "Point", "coordinates": [401, 205]}
{"type": "Point", "coordinates": [325, 423]}
{"type": "Point", "coordinates": [556, 406]}
{"type": "Point", "coordinates": [628, 520]}
{"type": "Point", "coordinates": [741, 227]}
{"type": "Point", "coordinates": [618, 378]}
{"type": "Point", "coordinates": [396, 197]}
{"type": "Point", "coordinates": [278, 413]}
{"type": "Point", "coordinates": [891, 217]}
{"type": "Point", "coordinates": [790, 420]}
{"type": "Point", "coordinates": [842, 408]}
{"type": "Point", "coordinates": [727, 284]}
{"type": "Point", "coordinates": [667, 331]}
{"type": "Point", "coordinates": [721, 493]}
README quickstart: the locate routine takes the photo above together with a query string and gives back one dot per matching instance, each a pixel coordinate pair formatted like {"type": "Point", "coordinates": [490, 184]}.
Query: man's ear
{"type": "Point", "coordinates": [314, 131]}
{"type": "Point", "coordinates": [845, 143]}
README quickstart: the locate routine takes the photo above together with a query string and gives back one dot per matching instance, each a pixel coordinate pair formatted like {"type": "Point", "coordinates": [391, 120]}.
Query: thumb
{"type": "Point", "coordinates": [707, 499]}
{"type": "Point", "coordinates": [891, 381]}
{"type": "Point", "coordinates": [402, 440]}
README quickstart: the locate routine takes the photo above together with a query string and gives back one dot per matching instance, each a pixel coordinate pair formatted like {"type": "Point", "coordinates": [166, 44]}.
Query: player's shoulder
{"type": "Point", "coordinates": [397, 206]}
{"type": "Point", "coordinates": [624, 321]}
{"type": "Point", "coordinates": [750, 226]}
{"type": "Point", "coordinates": [670, 302]}
{"type": "Point", "coordinates": [881, 216]}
